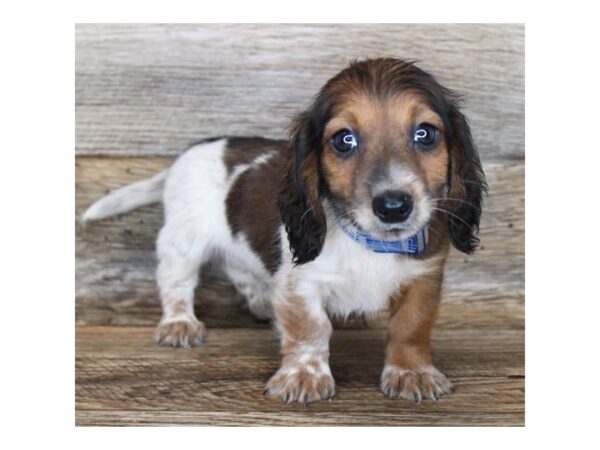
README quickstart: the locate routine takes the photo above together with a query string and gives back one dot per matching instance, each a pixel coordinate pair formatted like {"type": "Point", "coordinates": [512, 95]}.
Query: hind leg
{"type": "Point", "coordinates": [257, 292]}
{"type": "Point", "coordinates": [179, 263]}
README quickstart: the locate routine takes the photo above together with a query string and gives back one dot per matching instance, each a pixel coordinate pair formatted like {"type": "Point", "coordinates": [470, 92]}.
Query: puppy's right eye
{"type": "Point", "coordinates": [426, 136]}
{"type": "Point", "coordinates": [344, 142]}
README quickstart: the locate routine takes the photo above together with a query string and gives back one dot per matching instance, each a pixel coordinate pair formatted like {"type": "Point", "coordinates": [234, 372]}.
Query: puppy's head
{"type": "Point", "coordinates": [386, 145]}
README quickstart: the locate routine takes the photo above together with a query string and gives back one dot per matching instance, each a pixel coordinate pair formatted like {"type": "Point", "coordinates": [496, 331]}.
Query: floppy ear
{"type": "Point", "coordinates": [466, 185]}
{"type": "Point", "coordinates": [299, 201]}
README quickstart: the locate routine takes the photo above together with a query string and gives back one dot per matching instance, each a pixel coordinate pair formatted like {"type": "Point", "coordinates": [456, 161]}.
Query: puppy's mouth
{"type": "Point", "coordinates": [396, 231]}
{"type": "Point", "coordinates": [367, 223]}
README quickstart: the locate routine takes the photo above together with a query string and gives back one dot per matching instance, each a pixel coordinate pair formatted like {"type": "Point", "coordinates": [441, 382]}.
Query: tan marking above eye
{"type": "Point", "coordinates": [371, 117]}
{"type": "Point", "coordinates": [426, 115]}
{"type": "Point", "coordinates": [337, 124]}
{"type": "Point", "coordinates": [410, 108]}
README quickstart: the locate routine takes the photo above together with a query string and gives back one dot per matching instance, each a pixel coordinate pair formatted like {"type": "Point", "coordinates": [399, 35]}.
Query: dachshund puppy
{"type": "Point", "coordinates": [355, 214]}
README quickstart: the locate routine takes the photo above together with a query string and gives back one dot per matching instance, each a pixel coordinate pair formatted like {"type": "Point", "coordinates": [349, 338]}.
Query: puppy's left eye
{"type": "Point", "coordinates": [426, 136]}
{"type": "Point", "coordinates": [344, 141]}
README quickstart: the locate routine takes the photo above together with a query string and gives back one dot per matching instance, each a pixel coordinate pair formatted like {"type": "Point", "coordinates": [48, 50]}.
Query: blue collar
{"type": "Point", "coordinates": [411, 246]}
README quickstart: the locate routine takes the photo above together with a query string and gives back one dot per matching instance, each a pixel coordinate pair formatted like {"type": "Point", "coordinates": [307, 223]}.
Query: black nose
{"type": "Point", "coordinates": [393, 206]}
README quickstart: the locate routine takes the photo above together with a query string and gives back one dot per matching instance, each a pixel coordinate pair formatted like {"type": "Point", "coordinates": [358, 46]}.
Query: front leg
{"type": "Point", "coordinates": [304, 375]}
{"type": "Point", "coordinates": [409, 372]}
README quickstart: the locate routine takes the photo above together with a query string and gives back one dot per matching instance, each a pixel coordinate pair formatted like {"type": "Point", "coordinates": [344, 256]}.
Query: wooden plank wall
{"type": "Point", "coordinates": [145, 92]}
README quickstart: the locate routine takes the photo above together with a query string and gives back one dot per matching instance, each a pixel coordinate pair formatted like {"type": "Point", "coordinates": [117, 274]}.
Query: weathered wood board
{"type": "Point", "coordinates": [152, 89]}
{"type": "Point", "coordinates": [145, 92]}
{"type": "Point", "coordinates": [115, 261]}
{"type": "Point", "coordinates": [122, 378]}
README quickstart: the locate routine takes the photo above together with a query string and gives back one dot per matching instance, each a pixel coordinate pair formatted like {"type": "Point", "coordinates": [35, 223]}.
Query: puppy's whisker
{"type": "Point", "coordinates": [453, 215]}
{"type": "Point", "coordinates": [433, 230]}
{"type": "Point", "coordinates": [305, 213]}
{"type": "Point", "coordinates": [456, 200]}
{"type": "Point", "coordinates": [346, 217]}
{"type": "Point", "coordinates": [471, 182]}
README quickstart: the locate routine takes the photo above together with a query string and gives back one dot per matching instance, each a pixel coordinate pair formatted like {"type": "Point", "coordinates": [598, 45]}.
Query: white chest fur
{"type": "Point", "coordinates": [350, 278]}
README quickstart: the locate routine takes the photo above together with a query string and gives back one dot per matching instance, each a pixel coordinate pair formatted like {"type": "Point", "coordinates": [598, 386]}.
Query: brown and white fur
{"type": "Point", "coordinates": [269, 210]}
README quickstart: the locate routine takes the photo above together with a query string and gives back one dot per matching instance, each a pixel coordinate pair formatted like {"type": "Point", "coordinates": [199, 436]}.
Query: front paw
{"type": "Point", "coordinates": [413, 385]}
{"type": "Point", "coordinates": [184, 332]}
{"type": "Point", "coordinates": [301, 383]}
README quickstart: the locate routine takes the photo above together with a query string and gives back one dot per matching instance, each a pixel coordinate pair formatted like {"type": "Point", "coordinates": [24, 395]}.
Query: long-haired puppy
{"type": "Point", "coordinates": [355, 214]}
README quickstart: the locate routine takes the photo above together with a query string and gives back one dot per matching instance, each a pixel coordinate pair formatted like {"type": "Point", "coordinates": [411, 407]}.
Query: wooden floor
{"type": "Point", "coordinates": [122, 378]}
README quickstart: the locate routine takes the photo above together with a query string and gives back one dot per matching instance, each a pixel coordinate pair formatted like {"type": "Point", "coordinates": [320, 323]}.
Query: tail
{"type": "Point", "coordinates": [127, 198]}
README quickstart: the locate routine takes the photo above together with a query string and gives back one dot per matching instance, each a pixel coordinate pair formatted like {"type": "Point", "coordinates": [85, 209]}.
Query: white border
{"type": "Point", "coordinates": [38, 206]}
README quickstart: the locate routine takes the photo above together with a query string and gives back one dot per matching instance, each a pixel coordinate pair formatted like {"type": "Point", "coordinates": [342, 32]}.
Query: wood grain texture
{"type": "Point", "coordinates": [123, 379]}
{"type": "Point", "coordinates": [154, 89]}
{"type": "Point", "coordinates": [144, 93]}
{"type": "Point", "coordinates": [115, 260]}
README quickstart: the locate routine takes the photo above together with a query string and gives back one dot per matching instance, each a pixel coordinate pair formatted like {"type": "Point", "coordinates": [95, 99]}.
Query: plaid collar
{"type": "Point", "coordinates": [411, 246]}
